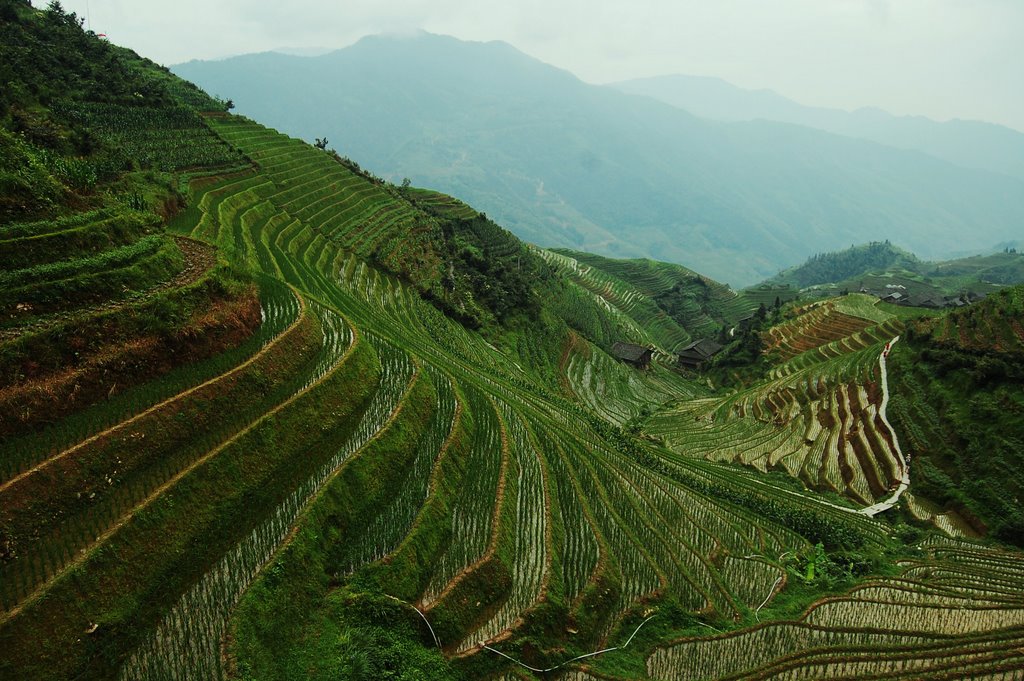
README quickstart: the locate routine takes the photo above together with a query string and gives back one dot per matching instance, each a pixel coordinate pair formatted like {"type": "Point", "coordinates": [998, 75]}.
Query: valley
{"type": "Point", "coordinates": [265, 415]}
{"type": "Point", "coordinates": [565, 163]}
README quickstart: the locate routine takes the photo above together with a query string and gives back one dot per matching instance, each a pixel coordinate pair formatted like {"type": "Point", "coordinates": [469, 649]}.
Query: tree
{"type": "Point", "coordinates": [406, 182]}
{"type": "Point", "coordinates": [8, 11]}
{"type": "Point", "coordinates": [321, 143]}
{"type": "Point", "coordinates": [229, 105]}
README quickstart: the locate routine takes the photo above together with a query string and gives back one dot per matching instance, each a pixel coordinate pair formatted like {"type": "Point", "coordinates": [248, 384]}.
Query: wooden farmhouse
{"type": "Point", "coordinates": [927, 300]}
{"type": "Point", "coordinates": [694, 355]}
{"type": "Point", "coordinates": [634, 354]}
{"type": "Point", "coordinates": [746, 322]}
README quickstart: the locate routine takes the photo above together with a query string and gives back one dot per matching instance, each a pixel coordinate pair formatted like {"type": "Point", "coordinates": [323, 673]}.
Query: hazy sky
{"type": "Point", "coordinates": [940, 58]}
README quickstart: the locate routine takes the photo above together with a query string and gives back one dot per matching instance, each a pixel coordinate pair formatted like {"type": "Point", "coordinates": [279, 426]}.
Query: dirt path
{"type": "Point", "coordinates": [170, 400]}
{"type": "Point", "coordinates": [886, 504]}
{"type": "Point", "coordinates": [228, 662]}
{"type": "Point", "coordinates": [86, 551]}
{"type": "Point", "coordinates": [428, 604]}
{"type": "Point", "coordinates": [199, 259]}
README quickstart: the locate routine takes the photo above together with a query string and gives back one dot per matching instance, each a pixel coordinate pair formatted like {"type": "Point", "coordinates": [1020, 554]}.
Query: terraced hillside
{"type": "Point", "coordinates": [883, 268]}
{"type": "Point", "coordinates": [812, 326]}
{"type": "Point", "coordinates": [522, 451]}
{"type": "Point", "coordinates": [658, 303]}
{"type": "Point", "coordinates": [372, 476]}
{"type": "Point", "coordinates": [614, 390]}
{"type": "Point", "coordinates": [440, 203]}
{"type": "Point", "coordinates": [818, 416]}
{"type": "Point", "coordinates": [934, 620]}
{"type": "Point", "coordinates": [958, 400]}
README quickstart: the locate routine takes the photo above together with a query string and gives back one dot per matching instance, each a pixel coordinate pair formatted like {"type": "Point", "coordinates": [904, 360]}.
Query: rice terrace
{"type": "Point", "coordinates": [265, 414]}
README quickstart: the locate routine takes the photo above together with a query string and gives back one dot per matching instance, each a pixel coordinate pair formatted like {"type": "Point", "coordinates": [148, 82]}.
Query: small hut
{"type": "Point", "coordinates": [634, 354]}
{"type": "Point", "coordinates": [927, 300]}
{"type": "Point", "coordinates": [694, 355]}
{"type": "Point", "coordinates": [746, 322]}
{"type": "Point", "coordinates": [894, 297]}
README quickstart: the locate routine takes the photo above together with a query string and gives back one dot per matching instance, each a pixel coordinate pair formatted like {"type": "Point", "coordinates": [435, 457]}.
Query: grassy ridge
{"type": "Point", "coordinates": [70, 365]}
{"type": "Point", "coordinates": [669, 302]}
{"type": "Point", "coordinates": [881, 267]}
{"type": "Point", "coordinates": [837, 266]}
{"type": "Point", "coordinates": [113, 275]}
{"type": "Point", "coordinates": [287, 625]}
{"type": "Point", "coordinates": [958, 401]}
{"type": "Point", "coordinates": [96, 298]}
{"type": "Point", "coordinates": [152, 559]}
{"type": "Point", "coordinates": [92, 237]}
{"type": "Point", "coordinates": [77, 494]}
{"type": "Point", "coordinates": [429, 430]}
{"type": "Point", "coordinates": [279, 308]}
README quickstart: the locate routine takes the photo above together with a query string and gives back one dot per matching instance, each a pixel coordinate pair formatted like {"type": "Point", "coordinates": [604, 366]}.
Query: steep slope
{"type": "Point", "coordinates": [672, 303]}
{"type": "Point", "coordinates": [521, 449]}
{"type": "Point", "coordinates": [959, 401]}
{"type": "Point", "coordinates": [95, 297]}
{"type": "Point", "coordinates": [372, 486]}
{"type": "Point", "coordinates": [972, 144]}
{"type": "Point", "coordinates": [563, 163]}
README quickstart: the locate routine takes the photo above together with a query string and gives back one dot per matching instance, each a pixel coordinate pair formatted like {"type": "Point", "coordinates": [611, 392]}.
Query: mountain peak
{"type": "Point", "coordinates": [564, 163]}
{"type": "Point", "coordinates": [971, 144]}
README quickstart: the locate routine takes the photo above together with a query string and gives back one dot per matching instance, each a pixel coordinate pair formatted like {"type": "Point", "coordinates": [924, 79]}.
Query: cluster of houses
{"type": "Point", "coordinates": [897, 294]}
{"type": "Point", "coordinates": [696, 355]}
{"type": "Point", "coordinates": [693, 356]}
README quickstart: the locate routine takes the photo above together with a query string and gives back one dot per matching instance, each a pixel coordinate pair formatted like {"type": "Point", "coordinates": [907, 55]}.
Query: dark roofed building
{"type": "Point", "coordinates": [696, 353]}
{"type": "Point", "coordinates": [926, 300]}
{"type": "Point", "coordinates": [634, 354]}
{"type": "Point", "coordinates": [892, 297]}
{"type": "Point", "coordinates": [747, 321]}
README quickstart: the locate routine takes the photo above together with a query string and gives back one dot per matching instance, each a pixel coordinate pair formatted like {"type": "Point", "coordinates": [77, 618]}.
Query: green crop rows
{"type": "Point", "coordinates": [362, 445]}
{"type": "Point", "coordinates": [900, 627]}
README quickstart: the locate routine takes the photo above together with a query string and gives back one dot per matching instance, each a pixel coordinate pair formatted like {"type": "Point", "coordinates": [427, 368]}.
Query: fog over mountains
{"type": "Point", "coordinates": [972, 144]}
{"type": "Point", "coordinates": [565, 163]}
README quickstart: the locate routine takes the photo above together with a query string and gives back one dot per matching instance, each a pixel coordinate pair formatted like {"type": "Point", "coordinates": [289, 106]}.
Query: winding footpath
{"type": "Point", "coordinates": [199, 259]}
{"type": "Point", "coordinates": [160, 405]}
{"type": "Point", "coordinates": [190, 638]}
{"type": "Point", "coordinates": [904, 463]}
{"type": "Point", "coordinates": [886, 504]}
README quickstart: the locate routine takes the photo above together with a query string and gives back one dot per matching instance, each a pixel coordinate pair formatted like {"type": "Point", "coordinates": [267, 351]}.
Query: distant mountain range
{"type": "Point", "coordinates": [564, 163]}
{"type": "Point", "coordinates": [250, 415]}
{"type": "Point", "coordinates": [971, 144]}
